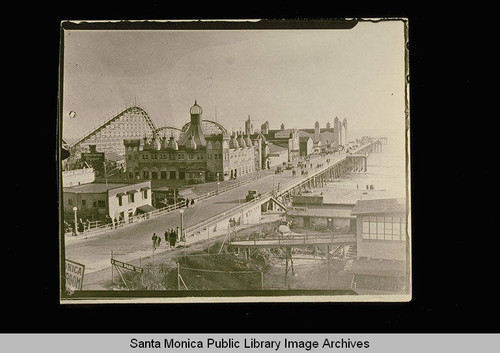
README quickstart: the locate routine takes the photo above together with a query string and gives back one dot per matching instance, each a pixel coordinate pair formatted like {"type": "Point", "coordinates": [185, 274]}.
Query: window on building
{"type": "Point", "coordinates": [84, 202]}
{"type": "Point", "coordinates": [131, 197]}
{"type": "Point", "coordinates": [380, 228]}
{"type": "Point", "coordinates": [144, 194]}
{"type": "Point", "coordinates": [384, 228]}
{"type": "Point", "coordinates": [94, 204]}
{"type": "Point", "coordinates": [388, 228]}
{"type": "Point", "coordinates": [70, 202]}
{"type": "Point", "coordinates": [145, 174]}
{"type": "Point", "coordinates": [120, 201]}
{"type": "Point", "coordinates": [154, 175]}
{"type": "Point", "coordinates": [101, 203]}
{"type": "Point", "coordinates": [163, 175]}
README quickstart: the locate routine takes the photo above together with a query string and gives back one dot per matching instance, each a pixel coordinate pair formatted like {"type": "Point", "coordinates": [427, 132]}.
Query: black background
{"type": "Point", "coordinates": [454, 272]}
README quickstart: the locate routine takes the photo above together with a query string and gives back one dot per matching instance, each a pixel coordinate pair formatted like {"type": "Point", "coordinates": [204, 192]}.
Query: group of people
{"type": "Point", "coordinates": [113, 223]}
{"type": "Point", "coordinates": [171, 236]}
{"type": "Point", "coordinates": [80, 227]}
{"type": "Point", "coordinates": [189, 203]}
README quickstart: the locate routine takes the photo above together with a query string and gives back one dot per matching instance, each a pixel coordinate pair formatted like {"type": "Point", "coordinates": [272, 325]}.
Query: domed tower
{"type": "Point", "coordinates": [248, 141]}
{"type": "Point", "coordinates": [233, 143]}
{"type": "Point", "coordinates": [337, 132]}
{"type": "Point", "coordinates": [191, 144]}
{"type": "Point", "coordinates": [172, 144]}
{"type": "Point", "coordinates": [344, 125]}
{"type": "Point", "coordinates": [194, 131]}
{"type": "Point", "coordinates": [241, 140]}
{"type": "Point", "coordinates": [316, 131]}
{"type": "Point", "coordinates": [248, 126]}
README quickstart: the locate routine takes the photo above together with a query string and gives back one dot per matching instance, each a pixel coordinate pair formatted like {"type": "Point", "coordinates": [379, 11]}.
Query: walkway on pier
{"type": "Point", "coordinates": [303, 241]}
{"type": "Point", "coordinates": [134, 240]}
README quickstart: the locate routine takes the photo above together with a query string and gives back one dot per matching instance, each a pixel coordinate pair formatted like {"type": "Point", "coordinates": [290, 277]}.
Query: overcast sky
{"type": "Point", "coordinates": [283, 76]}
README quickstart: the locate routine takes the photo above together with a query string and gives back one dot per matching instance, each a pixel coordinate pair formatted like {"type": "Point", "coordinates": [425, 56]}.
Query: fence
{"type": "Point", "coordinates": [207, 223]}
{"type": "Point", "coordinates": [99, 227]}
{"type": "Point", "coordinates": [305, 237]}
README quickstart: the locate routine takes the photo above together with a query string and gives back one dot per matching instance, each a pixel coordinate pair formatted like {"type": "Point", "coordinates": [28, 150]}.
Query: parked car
{"type": "Point", "coordinates": [252, 194]}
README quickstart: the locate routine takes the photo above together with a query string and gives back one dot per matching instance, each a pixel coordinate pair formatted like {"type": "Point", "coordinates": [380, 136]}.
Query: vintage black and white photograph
{"type": "Point", "coordinates": [235, 161]}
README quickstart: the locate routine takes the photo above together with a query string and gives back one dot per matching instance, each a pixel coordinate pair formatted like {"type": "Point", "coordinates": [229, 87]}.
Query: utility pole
{"type": "Point", "coordinates": [105, 174]}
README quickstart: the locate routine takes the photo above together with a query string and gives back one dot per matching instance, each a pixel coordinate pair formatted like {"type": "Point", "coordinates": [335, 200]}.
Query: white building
{"type": "Point", "coordinates": [117, 200]}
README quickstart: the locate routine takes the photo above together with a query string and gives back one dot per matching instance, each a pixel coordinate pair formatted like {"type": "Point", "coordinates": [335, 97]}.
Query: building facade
{"type": "Point", "coordinates": [306, 146]}
{"type": "Point", "coordinates": [198, 156]}
{"type": "Point", "coordinates": [381, 262]}
{"type": "Point", "coordinates": [117, 200]}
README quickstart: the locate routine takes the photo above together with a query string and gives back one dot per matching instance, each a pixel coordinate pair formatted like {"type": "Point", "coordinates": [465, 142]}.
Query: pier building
{"type": "Point", "coordinates": [381, 244]}
{"type": "Point", "coordinates": [205, 151]}
{"type": "Point", "coordinates": [117, 200]}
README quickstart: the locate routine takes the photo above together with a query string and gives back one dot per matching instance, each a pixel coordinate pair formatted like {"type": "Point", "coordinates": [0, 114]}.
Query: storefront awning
{"type": "Point", "coordinates": [145, 209]}
{"type": "Point", "coordinates": [145, 188]}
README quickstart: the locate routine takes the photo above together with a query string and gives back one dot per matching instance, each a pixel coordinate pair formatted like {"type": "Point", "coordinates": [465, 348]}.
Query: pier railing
{"type": "Point", "coordinates": [216, 219]}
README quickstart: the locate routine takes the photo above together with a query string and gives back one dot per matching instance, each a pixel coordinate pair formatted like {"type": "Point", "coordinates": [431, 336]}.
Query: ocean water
{"type": "Point", "coordinates": [386, 172]}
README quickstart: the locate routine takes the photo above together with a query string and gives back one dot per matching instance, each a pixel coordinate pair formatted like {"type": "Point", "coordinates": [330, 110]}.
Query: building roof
{"type": "Point", "coordinates": [115, 157]}
{"type": "Point", "coordinates": [100, 187]}
{"type": "Point", "coordinates": [379, 267]}
{"type": "Point", "coordinates": [320, 212]}
{"type": "Point", "coordinates": [146, 208]}
{"type": "Point", "coordinates": [273, 148]}
{"type": "Point", "coordinates": [94, 188]}
{"type": "Point", "coordinates": [321, 130]}
{"type": "Point", "coordinates": [379, 206]}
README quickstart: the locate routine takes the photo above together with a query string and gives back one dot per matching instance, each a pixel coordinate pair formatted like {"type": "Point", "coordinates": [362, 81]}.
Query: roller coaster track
{"type": "Point", "coordinates": [131, 110]}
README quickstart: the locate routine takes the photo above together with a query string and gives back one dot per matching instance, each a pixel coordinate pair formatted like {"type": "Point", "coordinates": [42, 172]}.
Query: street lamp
{"type": "Point", "coordinates": [181, 211]}
{"type": "Point", "coordinates": [76, 222]}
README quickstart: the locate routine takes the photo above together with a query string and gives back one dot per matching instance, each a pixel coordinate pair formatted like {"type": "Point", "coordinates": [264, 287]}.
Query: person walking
{"type": "Point", "coordinates": [166, 235]}
{"type": "Point", "coordinates": [171, 236]}
{"type": "Point", "coordinates": [81, 226]}
{"type": "Point", "coordinates": [153, 238]}
{"type": "Point", "coordinates": [192, 202]}
{"type": "Point", "coordinates": [158, 242]}
{"type": "Point", "coordinates": [174, 238]}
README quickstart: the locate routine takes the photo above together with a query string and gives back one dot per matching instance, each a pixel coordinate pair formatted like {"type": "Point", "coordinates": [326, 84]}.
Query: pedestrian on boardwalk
{"type": "Point", "coordinates": [153, 238]}
{"type": "Point", "coordinates": [171, 237]}
{"type": "Point", "coordinates": [174, 238]}
{"type": "Point", "coordinates": [166, 235]}
{"type": "Point", "coordinates": [81, 226]}
{"type": "Point", "coordinates": [187, 202]}
{"type": "Point", "coordinates": [192, 202]}
{"type": "Point", "coordinates": [158, 242]}
{"type": "Point", "coordinates": [115, 222]}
